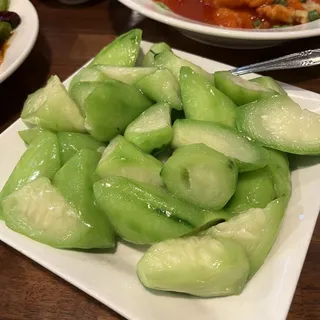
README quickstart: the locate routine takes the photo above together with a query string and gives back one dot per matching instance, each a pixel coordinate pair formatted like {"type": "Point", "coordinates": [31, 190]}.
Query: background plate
{"type": "Point", "coordinates": [23, 39]}
{"type": "Point", "coordinates": [111, 278]}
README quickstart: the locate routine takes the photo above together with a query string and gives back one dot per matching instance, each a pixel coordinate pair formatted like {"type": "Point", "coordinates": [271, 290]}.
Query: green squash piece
{"type": "Point", "coordinates": [122, 158]}
{"type": "Point", "coordinates": [199, 266]}
{"type": "Point", "coordinates": [152, 129]}
{"type": "Point", "coordinates": [28, 135]}
{"type": "Point", "coordinates": [269, 83]}
{"type": "Point", "coordinates": [145, 214]}
{"type": "Point", "coordinates": [200, 175]}
{"type": "Point", "coordinates": [110, 107]}
{"type": "Point", "coordinates": [41, 159]}
{"type": "Point", "coordinates": [70, 143]}
{"type": "Point", "coordinates": [280, 123]}
{"type": "Point", "coordinates": [148, 60]}
{"type": "Point", "coordinates": [254, 190]}
{"type": "Point", "coordinates": [75, 182]}
{"type": "Point", "coordinates": [202, 101]}
{"type": "Point", "coordinates": [52, 108]}
{"type": "Point", "coordinates": [255, 229]}
{"type": "Point", "coordinates": [40, 212]}
{"type": "Point", "coordinates": [121, 52]}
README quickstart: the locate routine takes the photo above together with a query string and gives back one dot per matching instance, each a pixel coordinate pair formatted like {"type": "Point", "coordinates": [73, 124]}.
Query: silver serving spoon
{"type": "Point", "coordinates": [308, 58]}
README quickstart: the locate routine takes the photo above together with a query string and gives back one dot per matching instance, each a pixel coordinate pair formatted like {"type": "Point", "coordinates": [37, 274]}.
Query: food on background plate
{"type": "Point", "coordinates": [246, 14]}
{"type": "Point", "coordinates": [162, 154]}
{"type": "Point", "coordinates": [9, 21]}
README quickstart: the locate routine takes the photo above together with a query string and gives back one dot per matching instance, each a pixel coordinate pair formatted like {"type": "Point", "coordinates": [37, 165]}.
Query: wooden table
{"type": "Point", "coordinates": [68, 37]}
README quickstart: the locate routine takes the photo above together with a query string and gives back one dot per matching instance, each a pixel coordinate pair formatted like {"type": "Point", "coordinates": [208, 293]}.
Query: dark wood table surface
{"type": "Point", "coordinates": [68, 37]}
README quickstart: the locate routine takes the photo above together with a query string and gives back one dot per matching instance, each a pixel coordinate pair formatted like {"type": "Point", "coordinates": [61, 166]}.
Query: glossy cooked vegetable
{"type": "Point", "coordinates": [295, 130]}
{"type": "Point", "coordinates": [239, 90]}
{"type": "Point", "coordinates": [41, 159]}
{"type": "Point", "coordinates": [200, 175]}
{"type": "Point", "coordinates": [110, 107]}
{"type": "Point", "coordinates": [122, 158]}
{"type": "Point", "coordinates": [201, 266]}
{"type": "Point", "coordinates": [28, 135]}
{"type": "Point", "coordinates": [202, 101]}
{"type": "Point", "coordinates": [51, 107]}
{"type": "Point", "coordinates": [151, 131]}
{"type": "Point", "coordinates": [145, 214]}
{"type": "Point", "coordinates": [247, 154]}
{"type": "Point", "coordinates": [148, 60]}
{"type": "Point", "coordinates": [269, 83]}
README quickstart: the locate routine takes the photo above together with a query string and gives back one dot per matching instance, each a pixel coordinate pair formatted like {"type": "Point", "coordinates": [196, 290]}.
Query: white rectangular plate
{"type": "Point", "coordinates": [111, 278]}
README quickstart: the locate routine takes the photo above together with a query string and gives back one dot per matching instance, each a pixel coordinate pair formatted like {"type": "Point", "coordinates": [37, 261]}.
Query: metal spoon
{"type": "Point", "coordinates": [308, 58]}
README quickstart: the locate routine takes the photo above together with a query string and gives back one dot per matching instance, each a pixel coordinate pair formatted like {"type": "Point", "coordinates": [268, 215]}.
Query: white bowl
{"type": "Point", "coordinates": [23, 39]}
{"type": "Point", "coordinates": [220, 36]}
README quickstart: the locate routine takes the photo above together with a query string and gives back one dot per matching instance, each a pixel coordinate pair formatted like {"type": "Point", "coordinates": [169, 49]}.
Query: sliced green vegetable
{"type": "Point", "coordinates": [5, 31]}
{"type": "Point", "coordinates": [52, 108]}
{"type": "Point", "coordinates": [121, 52]}
{"type": "Point", "coordinates": [4, 5]}
{"type": "Point", "coordinates": [254, 190]}
{"type": "Point", "coordinates": [202, 101]}
{"type": "Point", "coordinates": [269, 83]}
{"type": "Point", "coordinates": [239, 90]}
{"type": "Point", "coordinates": [87, 74]}
{"type": "Point", "coordinates": [145, 214]}
{"type": "Point", "coordinates": [110, 107]}
{"type": "Point", "coordinates": [70, 143]}
{"type": "Point", "coordinates": [200, 175]}
{"type": "Point", "coordinates": [168, 60]}
{"type": "Point", "coordinates": [122, 158]}
{"type": "Point", "coordinates": [40, 212]}
{"type": "Point", "coordinates": [75, 181]}
{"type": "Point", "coordinates": [148, 60]}
{"type": "Point", "coordinates": [278, 168]}
{"type": "Point", "coordinates": [161, 86]}
{"type": "Point", "coordinates": [200, 266]}
{"type": "Point", "coordinates": [29, 135]}
{"type": "Point", "coordinates": [313, 15]}
{"type": "Point", "coordinates": [247, 154]}
{"type": "Point", "coordinates": [80, 92]}
{"type": "Point", "coordinates": [125, 74]}
{"type": "Point", "coordinates": [152, 129]}
{"type": "Point", "coordinates": [41, 159]}
{"type": "Point", "coordinates": [281, 124]}
{"type": "Point", "coordinates": [256, 230]}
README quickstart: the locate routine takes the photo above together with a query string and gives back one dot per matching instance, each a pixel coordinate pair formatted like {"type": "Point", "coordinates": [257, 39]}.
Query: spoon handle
{"type": "Point", "coordinates": [308, 58]}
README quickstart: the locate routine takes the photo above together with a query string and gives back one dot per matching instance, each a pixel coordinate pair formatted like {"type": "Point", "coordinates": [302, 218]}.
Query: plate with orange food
{"type": "Point", "coordinates": [236, 23]}
{"type": "Point", "coordinates": [19, 26]}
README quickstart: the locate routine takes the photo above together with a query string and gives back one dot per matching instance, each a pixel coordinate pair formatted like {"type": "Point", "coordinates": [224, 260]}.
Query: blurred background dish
{"type": "Point", "coordinates": [222, 36]}
{"type": "Point", "coordinates": [23, 38]}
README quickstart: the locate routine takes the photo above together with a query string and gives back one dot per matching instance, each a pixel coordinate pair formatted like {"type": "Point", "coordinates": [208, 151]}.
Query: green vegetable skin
{"type": "Point", "coordinates": [121, 52]}
{"type": "Point", "coordinates": [70, 143]}
{"type": "Point", "coordinates": [145, 214]}
{"type": "Point", "coordinates": [52, 108]}
{"type": "Point", "coordinates": [110, 107]}
{"type": "Point", "coordinates": [148, 60]}
{"type": "Point", "coordinates": [87, 74]}
{"type": "Point", "coordinates": [202, 101]}
{"type": "Point", "coordinates": [41, 159]}
{"type": "Point", "coordinates": [239, 90]}
{"type": "Point", "coordinates": [247, 154]}
{"type": "Point", "coordinates": [255, 229]}
{"type": "Point", "coordinates": [75, 181]}
{"type": "Point", "coordinates": [200, 266]}
{"type": "Point", "coordinates": [269, 83]}
{"type": "Point", "coordinates": [200, 175]}
{"type": "Point", "coordinates": [152, 129]}
{"type": "Point", "coordinates": [80, 92]}
{"type": "Point", "coordinates": [281, 124]}
{"type": "Point", "coordinates": [126, 75]}
{"type": "Point", "coordinates": [29, 135]}
{"type": "Point", "coordinates": [168, 60]}
{"type": "Point", "coordinates": [161, 86]}
{"type": "Point", "coordinates": [122, 158]}
{"type": "Point", "coordinates": [254, 190]}
{"type": "Point", "coordinates": [5, 31]}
